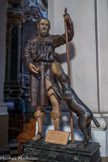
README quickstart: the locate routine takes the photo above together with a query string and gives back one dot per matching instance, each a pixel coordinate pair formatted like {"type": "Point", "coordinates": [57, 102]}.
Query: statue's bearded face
{"type": "Point", "coordinates": [44, 27]}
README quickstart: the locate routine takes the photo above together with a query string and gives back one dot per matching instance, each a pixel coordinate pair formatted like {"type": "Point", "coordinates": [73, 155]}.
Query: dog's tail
{"type": "Point", "coordinates": [95, 121]}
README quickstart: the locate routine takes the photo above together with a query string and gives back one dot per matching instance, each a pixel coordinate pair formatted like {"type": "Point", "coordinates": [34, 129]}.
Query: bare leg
{"type": "Point", "coordinates": [55, 114]}
{"type": "Point", "coordinates": [39, 115]}
{"type": "Point", "coordinates": [56, 124]}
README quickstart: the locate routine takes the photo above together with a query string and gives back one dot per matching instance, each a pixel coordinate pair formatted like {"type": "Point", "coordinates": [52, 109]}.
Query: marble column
{"type": "Point", "coordinates": [88, 55]}
{"type": "Point", "coordinates": [3, 107]}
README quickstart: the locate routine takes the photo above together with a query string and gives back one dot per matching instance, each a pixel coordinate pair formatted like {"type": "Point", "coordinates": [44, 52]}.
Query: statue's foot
{"type": "Point", "coordinates": [37, 137]}
{"type": "Point", "coordinates": [82, 144]}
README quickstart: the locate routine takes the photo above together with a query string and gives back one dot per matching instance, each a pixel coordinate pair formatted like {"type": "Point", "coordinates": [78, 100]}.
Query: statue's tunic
{"type": "Point", "coordinates": [40, 51]}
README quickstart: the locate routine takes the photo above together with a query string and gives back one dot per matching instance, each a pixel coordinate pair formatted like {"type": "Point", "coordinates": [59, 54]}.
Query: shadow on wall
{"type": "Point", "coordinates": [62, 58]}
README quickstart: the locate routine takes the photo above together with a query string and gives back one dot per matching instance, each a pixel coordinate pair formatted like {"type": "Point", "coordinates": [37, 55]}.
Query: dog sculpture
{"type": "Point", "coordinates": [85, 116]}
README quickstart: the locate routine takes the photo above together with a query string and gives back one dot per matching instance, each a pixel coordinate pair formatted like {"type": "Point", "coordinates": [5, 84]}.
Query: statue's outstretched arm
{"type": "Point", "coordinates": [59, 40]}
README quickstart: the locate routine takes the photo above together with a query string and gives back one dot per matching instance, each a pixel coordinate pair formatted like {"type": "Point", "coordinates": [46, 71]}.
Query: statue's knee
{"type": "Point", "coordinates": [59, 72]}
{"type": "Point", "coordinates": [55, 115]}
{"type": "Point", "coordinates": [39, 114]}
{"type": "Point", "coordinates": [56, 68]}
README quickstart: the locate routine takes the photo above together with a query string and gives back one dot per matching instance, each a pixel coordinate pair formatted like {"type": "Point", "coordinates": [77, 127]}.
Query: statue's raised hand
{"type": "Point", "coordinates": [67, 17]}
{"type": "Point", "coordinates": [33, 68]}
